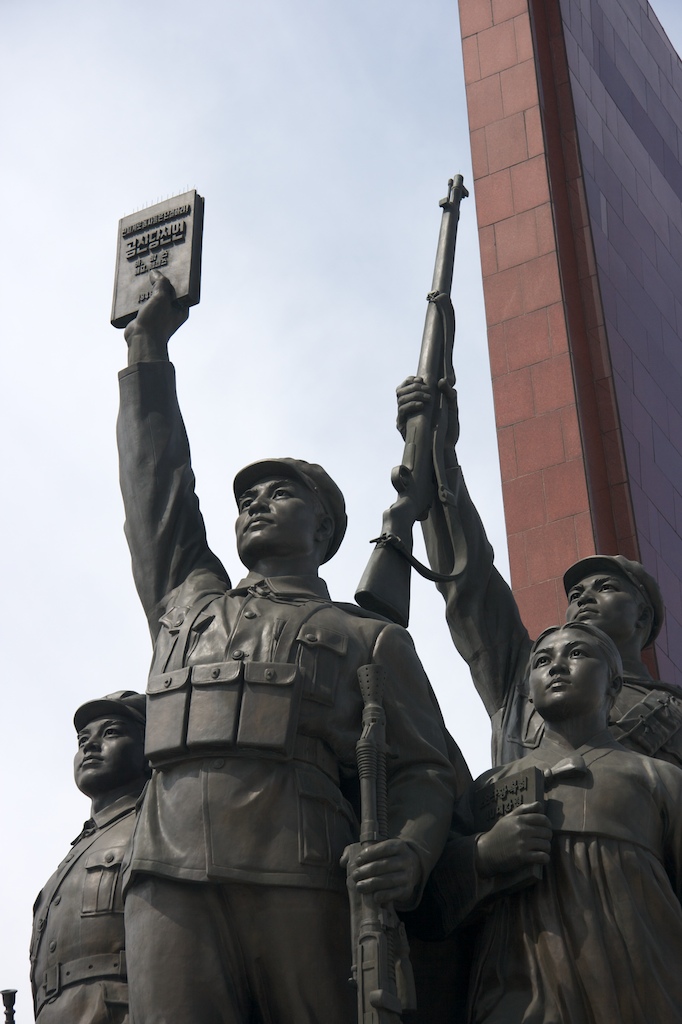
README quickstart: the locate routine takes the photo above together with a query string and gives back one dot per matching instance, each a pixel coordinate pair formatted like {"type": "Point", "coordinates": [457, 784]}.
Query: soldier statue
{"type": "Point", "coordinates": [237, 908]}
{"type": "Point", "coordinates": [612, 592]}
{"type": "Point", "coordinates": [78, 960]}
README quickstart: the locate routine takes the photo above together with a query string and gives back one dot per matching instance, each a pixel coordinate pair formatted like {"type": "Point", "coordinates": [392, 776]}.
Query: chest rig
{"type": "Point", "coordinates": [236, 706]}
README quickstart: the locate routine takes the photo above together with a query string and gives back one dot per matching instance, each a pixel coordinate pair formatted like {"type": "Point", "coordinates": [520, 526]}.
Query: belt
{"type": "Point", "coordinates": [308, 749]}
{"type": "Point", "coordinates": [60, 976]}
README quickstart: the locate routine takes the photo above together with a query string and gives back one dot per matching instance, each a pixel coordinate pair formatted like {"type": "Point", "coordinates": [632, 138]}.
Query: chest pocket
{"type": "Point", "coordinates": [321, 653]}
{"type": "Point", "coordinates": [101, 891]}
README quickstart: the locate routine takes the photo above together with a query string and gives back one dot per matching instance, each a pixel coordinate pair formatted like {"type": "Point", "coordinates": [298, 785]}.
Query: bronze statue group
{"type": "Point", "coordinates": [208, 886]}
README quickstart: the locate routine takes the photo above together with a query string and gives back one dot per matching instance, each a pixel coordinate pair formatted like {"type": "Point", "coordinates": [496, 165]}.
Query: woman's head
{"type": "Point", "coordinates": [574, 670]}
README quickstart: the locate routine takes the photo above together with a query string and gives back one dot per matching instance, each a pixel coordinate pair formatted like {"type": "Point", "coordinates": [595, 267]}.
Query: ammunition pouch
{"type": "Point", "coordinates": [650, 724]}
{"type": "Point", "coordinates": [226, 706]}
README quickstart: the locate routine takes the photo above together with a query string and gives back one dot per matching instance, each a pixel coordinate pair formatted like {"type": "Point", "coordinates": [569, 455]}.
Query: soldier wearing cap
{"type": "Point", "coordinates": [78, 962]}
{"type": "Point", "coordinates": [610, 591]}
{"type": "Point", "coordinates": [237, 909]}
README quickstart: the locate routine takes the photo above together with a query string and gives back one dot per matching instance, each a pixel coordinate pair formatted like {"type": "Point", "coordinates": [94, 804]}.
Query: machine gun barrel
{"type": "Point", "coordinates": [381, 967]}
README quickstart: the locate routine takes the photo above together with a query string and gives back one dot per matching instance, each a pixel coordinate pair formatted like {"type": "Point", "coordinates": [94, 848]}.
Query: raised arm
{"type": "Point", "coordinates": [481, 611]}
{"type": "Point", "coordinates": [164, 527]}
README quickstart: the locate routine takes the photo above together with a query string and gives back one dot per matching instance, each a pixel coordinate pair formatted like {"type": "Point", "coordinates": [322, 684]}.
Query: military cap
{"type": "Point", "coordinates": [122, 704]}
{"type": "Point", "coordinates": [633, 572]}
{"type": "Point", "coordinates": [315, 479]}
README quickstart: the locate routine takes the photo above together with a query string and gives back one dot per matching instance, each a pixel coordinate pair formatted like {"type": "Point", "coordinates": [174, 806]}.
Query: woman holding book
{"type": "Point", "coordinates": [598, 938]}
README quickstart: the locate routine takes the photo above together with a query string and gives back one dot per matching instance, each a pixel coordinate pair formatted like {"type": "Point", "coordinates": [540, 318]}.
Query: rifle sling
{"type": "Point", "coordinates": [391, 540]}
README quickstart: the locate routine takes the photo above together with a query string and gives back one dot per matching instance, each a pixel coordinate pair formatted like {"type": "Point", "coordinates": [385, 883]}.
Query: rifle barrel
{"type": "Point", "coordinates": [385, 583]}
{"type": "Point", "coordinates": [445, 253]}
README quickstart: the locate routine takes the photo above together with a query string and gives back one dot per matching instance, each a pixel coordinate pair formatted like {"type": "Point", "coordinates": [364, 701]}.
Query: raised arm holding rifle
{"type": "Point", "coordinates": [615, 593]}
{"type": "Point", "coordinates": [421, 478]}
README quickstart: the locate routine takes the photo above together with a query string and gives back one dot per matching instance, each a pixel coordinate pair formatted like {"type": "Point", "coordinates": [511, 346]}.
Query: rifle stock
{"type": "Point", "coordinates": [385, 584]}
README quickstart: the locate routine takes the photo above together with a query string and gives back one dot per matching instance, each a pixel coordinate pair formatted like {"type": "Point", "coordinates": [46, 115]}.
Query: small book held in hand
{"type": "Point", "coordinates": [495, 799]}
{"type": "Point", "coordinates": [165, 237]}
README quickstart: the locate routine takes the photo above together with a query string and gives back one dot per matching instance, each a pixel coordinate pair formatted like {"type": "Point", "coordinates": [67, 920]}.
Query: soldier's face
{"type": "Point", "coordinates": [570, 677]}
{"type": "Point", "coordinates": [110, 755]}
{"type": "Point", "coordinates": [277, 518]}
{"type": "Point", "coordinates": [609, 602]}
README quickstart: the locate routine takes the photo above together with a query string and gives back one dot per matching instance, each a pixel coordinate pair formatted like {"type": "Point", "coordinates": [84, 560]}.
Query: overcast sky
{"type": "Point", "coordinates": [322, 135]}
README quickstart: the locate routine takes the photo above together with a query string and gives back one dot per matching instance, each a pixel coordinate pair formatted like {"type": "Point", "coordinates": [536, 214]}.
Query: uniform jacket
{"type": "Point", "coordinates": [598, 938]}
{"type": "Point", "coordinates": [254, 707]}
{"type": "Point", "coordinates": [487, 631]}
{"type": "Point", "coordinates": [78, 916]}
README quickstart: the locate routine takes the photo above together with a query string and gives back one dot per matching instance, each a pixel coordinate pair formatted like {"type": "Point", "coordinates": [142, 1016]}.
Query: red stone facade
{"type": "Point", "coordinates": [542, 91]}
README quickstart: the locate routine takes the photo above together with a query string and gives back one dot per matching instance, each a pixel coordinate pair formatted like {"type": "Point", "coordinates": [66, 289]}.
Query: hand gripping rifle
{"type": "Point", "coordinates": [385, 585]}
{"type": "Point", "coordinates": [381, 967]}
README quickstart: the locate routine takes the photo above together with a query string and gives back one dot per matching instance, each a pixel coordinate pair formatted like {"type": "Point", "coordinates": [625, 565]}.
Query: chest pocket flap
{"type": "Point", "coordinates": [321, 653]}
{"type": "Point", "coordinates": [101, 893]}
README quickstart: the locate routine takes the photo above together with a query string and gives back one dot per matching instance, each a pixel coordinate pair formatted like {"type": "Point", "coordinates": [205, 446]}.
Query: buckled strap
{"type": "Point", "coordinates": [392, 540]}
{"type": "Point", "coordinates": [60, 976]}
{"type": "Point", "coordinates": [315, 752]}
{"type": "Point", "coordinates": [651, 723]}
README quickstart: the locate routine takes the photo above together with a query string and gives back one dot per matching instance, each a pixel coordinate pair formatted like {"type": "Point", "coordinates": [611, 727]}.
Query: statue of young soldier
{"type": "Point", "coordinates": [78, 963]}
{"type": "Point", "coordinates": [237, 909]}
{"type": "Point", "coordinates": [612, 592]}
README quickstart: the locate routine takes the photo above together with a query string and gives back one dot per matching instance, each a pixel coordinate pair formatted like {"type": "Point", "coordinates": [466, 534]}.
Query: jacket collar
{"type": "Point", "coordinates": [553, 747]}
{"type": "Point", "coordinates": [284, 587]}
{"type": "Point", "coordinates": [122, 806]}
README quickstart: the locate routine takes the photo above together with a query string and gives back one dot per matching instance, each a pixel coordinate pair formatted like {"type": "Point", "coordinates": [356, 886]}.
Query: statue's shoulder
{"type": "Point", "coordinates": [645, 684]}
{"type": "Point", "coordinates": [360, 619]}
{"type": "Point", "coordinates": [200, 587]}
{"type": "Point", "coordinates": [355, 620]}
{"type": "Point", "coordinates": [356, 612]}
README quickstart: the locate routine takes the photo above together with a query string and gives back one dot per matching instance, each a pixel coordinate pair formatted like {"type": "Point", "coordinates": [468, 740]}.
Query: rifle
{"type": "Point", "coordinates": [381, 967]}
{"type": "Point", "coordinates": [385, 584]}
